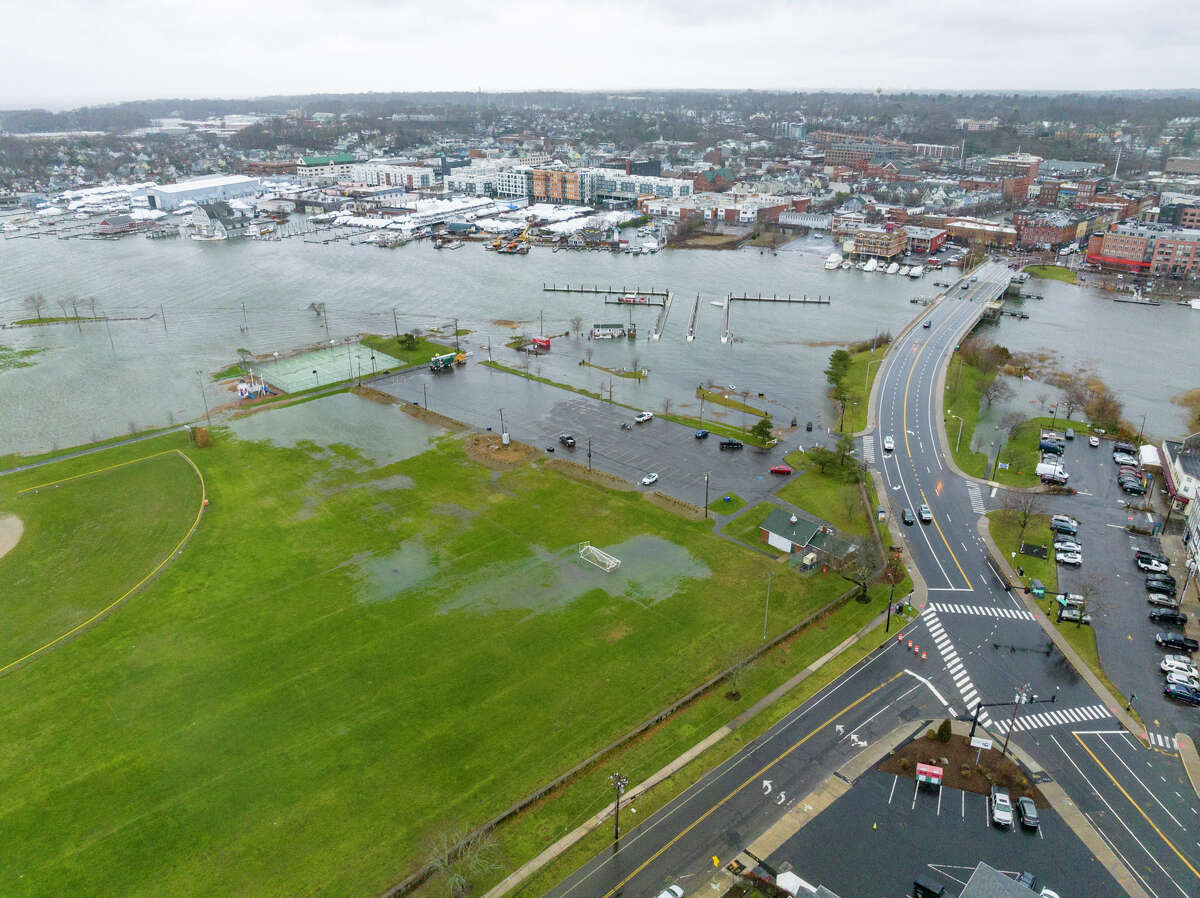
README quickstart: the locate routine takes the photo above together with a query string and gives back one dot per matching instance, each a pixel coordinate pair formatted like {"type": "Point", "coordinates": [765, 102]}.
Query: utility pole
{"type": "Point", "coordinates": [204, 395]}
{"type": "Point", "coordinates": [620, 783]}
{"type": "Point", "coordinates": [706, 495]}
{"type": "Point", "coordinates": [1140, 431]}
{"type": "Point", "coordinates": [161, 311]}
{"type": "Point", "coordinates": [503, 431]}
{"type": "Point", "coordinates": [425, 395]}
{"type": "Point", "coordinates": [456, 346]}
{"type": "Point", "coordinates": [702, 403]}
{"type": "Point", "coordinates": [325, 318]}
{"type": "Point", "coordinates": [395, 323]}
{"type": "Point", "coordinates": [891, 591]}
{"type": "Point", "coordinates": [767, 609]}
{"type": "Point", "coordinates": [590, 467]}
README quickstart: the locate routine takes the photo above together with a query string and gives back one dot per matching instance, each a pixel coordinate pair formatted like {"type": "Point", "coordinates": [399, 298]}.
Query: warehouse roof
{"type": "Point", "coordinates": [205, 182]}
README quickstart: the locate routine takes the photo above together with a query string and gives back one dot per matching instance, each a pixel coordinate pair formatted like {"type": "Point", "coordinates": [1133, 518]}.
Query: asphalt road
{"type": "Point", "coordinates": [982, 647]}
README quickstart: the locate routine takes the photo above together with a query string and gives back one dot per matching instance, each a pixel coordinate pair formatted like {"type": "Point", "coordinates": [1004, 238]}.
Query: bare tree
{"type": "Point", "coordinates": [1023, 506]}
{"type": "Point", "coordinates": [461, 859]}
{"type": "Point", "coordinates": [36, 302]}
{"type": "Point", "coordinates": [1091, 588]}
{"type": "Point", "coordinates": [856, 569]}
{"type": "Point", "coordinates": [1074, 396]}
{"type": "Point", "coordinates": [577, 324]}
{"type": "Point", "coordinates": [743, 663]}
{"type": "Point", "coordinates": [997, 389]}
{"type": "Point", "coordinates": [851, 501]}
{"type": "Point", "coordinates": [1008, 425]}
{"type": "Point", "coordinates": [637, 367]}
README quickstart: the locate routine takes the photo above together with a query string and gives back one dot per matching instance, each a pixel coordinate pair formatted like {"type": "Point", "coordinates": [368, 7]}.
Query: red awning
{"type": "Point", "coordinates": [928, 773]}
{"type": "Point", "coordinates": [1169, 478]}
{"type": "Point", "coordinates": [1113, 260]}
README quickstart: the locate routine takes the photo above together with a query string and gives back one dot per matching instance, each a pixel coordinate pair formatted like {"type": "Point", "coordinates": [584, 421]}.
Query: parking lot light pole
{"type": "Point", "coordinates": [960, 427]}
{"type": "Point", "coordinates": [1054, 420]}
{"type": "Point", "coordinates": [706, 496]}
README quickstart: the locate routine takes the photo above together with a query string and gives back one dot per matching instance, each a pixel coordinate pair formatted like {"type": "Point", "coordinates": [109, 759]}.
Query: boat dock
{"type": "Point", "coordinates": [800, 300]}
{"type": "Point", "coordinates": [624, 291]}
{"type": "Point", "coordinates": [1137, 300]}
{"type": "Point", "coordinates": [691, 331]}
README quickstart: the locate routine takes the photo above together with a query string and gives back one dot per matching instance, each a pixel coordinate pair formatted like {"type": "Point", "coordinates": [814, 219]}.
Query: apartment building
{"type": "Point", "coordinates": [1014, 165]}
{"type": "Point", "coordinates": [730, 208]}
{"type": "Point", "coordinates": [1161, 250]}
{"type": "Point", "coordinates": [880, 241]}
{"type": "Point", "coordinates": [392, 172]}
{"type": "Point", "coordinates": [312, 170]}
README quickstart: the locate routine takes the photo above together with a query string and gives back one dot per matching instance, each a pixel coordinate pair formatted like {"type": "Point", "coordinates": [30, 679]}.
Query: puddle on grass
{"type": "Point", "coordinates": [381, 433]}
{"type": "Point", "coordinates": [383, 577]}
{"type": "Point", "coordinates": [651, 570]}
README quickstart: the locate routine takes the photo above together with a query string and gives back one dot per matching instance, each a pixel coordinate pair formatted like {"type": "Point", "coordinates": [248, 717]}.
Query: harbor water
{"type": "Point", "coordinates": [185, 308]}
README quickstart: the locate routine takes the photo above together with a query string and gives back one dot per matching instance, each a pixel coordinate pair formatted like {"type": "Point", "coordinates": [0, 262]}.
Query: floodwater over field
{"type": "Point", "coordinates": [382, 433]}
{"type": "Point", "coordinates": [185, 305]}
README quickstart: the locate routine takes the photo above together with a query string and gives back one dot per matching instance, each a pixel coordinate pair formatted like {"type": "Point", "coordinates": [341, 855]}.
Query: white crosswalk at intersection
{"type": "Point", "coordinates": [869, 450]}
{"type": "Point", "coordinates": [986, 610]}
{"type": "Point", "coordinates": [976, 497]}
{"type": "Point", "coordinates": [1158, 740]}
{"type": "Point", "coordinates": [954, 664]}
{"type": "Point", "coordinates": [1056, 717]}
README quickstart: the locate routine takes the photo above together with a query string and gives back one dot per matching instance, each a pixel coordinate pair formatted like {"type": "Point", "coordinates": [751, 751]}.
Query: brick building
{"type": "Point", "coordinates": [1014, 165]}
{"type": "Point", "coordinates": [880, 241]}
{"type": "Point", "coordinates": [1161, 250]}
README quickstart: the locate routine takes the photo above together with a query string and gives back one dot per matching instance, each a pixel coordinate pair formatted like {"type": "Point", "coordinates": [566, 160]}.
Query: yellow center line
{"type": "Point", "coordinates": [1129, 798]}
{"type": "Point", "coordinates": [613, 891]}
{"type": "Point", "coordinates": [904, 423]}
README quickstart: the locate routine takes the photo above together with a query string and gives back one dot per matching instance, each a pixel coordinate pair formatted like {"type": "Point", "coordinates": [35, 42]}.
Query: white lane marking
{"type": "Point", "coordinates": [1121, 761]}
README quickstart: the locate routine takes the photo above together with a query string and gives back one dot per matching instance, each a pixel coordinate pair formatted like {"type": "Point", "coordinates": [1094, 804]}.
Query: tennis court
{"type": "Point", "coordinates": [324, 366]}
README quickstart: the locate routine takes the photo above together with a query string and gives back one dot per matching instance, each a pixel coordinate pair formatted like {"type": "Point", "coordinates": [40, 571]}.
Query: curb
{"type": "Point", "coordinates": [1057, 638]}
{"type": "Point", "coordinates": [1191, 760]}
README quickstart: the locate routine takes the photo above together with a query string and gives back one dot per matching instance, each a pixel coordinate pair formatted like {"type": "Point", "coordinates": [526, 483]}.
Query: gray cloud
{"type": "Point", "coordinates": [67, 53]}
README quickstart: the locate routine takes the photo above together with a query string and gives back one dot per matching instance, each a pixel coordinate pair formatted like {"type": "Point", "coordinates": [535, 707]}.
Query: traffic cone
{"type": "Point", "coordinates": [910, 643]}
{"type": "Point", "coordinates": [923, 656]}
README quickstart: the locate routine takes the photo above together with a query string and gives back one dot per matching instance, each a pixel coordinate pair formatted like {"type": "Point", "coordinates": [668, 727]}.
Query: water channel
{"type": "Point", "coordinates": [96, 380]}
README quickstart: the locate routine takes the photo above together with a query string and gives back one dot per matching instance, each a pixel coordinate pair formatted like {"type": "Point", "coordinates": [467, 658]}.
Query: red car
{"type": "Point", "coordinates": [781, 469]}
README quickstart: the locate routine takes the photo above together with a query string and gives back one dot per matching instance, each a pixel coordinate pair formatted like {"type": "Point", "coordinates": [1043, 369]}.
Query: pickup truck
{"type": "Point", "coordinates": [732, 444]}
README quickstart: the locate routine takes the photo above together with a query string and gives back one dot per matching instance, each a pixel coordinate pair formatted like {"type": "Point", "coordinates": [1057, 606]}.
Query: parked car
{"type": "Point", "coordinates": [1074, 558]}
{"type": "Point", "coordinates": [925, 514]}
{"type": "Point", "coordinates": [1182, 693]}
{"type": "Point", "coordinates": [649, 479]}
{"type": "Point", "coordinates": [1167, 589]}
{"type": "Point", "coordinates": [1028, 813]}
{"type": "Point", "coordinates": [1178, 664]}
{"type": "Point", "coordinates": [1051, 447]}
{"type": "Point", "coordinates": [702, 434]}
{"type": "Point", "coordinates": [927, 323]}
{"type": "Point", "coordinates": [1177, 641]}
{"type": "Point", "coordinates": [1179, 678]}
{"type": "Point", "coordinates": [731, 444]}
{"type": "Point", "coordinates": [643, 417]}
{"type": "Point", "coordinates": [1151, 555]}
{"type": "Point", "coordinates": [567, 440]}
{"type": "Point", "coordinates": [781, 469]}
{"type": "Point", "coordinates": [1094, 442]}
{"type": "Point", "coordinates": [1123, 447]}
{"type": "Point", "coordinates": [1169, 616]}
{"type": "Point", "coordinates": [1063, 519]}
{"type": "Point", "coordinates": [1162, 578]}
{"type": "Point", "coordinates": [1133, 488]}
{"type": "Point", "coordinates": [1122, 459]}
{"type": "Point", "coordinates": [1070, 434]}
{"type": "Point", "coordinates": [888, 443]}
{"type": "Point", "coordinates": [1163, 601]}
{"type": "Point", "coordinates": [1072, 600]}
{"type": "Point", "coordinates": [1067, 545]}
{"type": "Point", "coordinates": [671, 891]}
{"type": "Point", "coordinates": [1074, 616]}
{"type": "Point", "coordinates": [1002, 810]}
{"type": "Point", "coordinates": [1152, 565]}
{"type": "Point", "coordinates": [1064, 528]}
{"type": "Point", "coordinates": [907, 517]}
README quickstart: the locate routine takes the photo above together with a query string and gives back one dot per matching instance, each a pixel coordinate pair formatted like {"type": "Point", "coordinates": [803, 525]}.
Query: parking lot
{"type": "Point", "coordinates": [1115, 587]}
{"type": "Point", "coordinates": [537, 414]}
{"type": "Point", "coordinates": [888, 831]}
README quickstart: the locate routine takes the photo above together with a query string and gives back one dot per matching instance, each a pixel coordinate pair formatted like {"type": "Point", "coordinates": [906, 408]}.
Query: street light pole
{"type": "Point", "coordinates": [891, 592]}
{"type": "Point", "coordinates": [706, 496]}
{"type": "Point", "coordinates": [1140, 430]}
{"type": "Point", "coordinates": [502, 431]}
{"type": "Point", "coordinates": [1054, 420]}
{"type": "Point", "coordinates": [620, 783]}
{"type": "Point", "coordinates": [960, 427]}
{"type": "Point", "coordinates": [204, 396]}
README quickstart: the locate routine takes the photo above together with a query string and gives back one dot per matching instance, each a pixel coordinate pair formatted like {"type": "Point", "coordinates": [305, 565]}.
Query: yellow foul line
{"type": "Point", "coordinates": [134, 461]}
{"type": "Point", "coordinates": [615, 889]}
{"type": "Point", "coordinates": [1170, 844]}
{"type": "Point", "coordinates": [99, 614]}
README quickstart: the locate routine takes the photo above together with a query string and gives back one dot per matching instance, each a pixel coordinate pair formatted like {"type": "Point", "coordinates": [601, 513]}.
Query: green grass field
{"type": "Point", "coordinates": [345, 661]}
{"type": "Point", "coordinates": [87, 542]}
{"type": "Point", "coordinates": [421, 352]}
{"type": "Point", "coordinates": [1052, 272]}
{"type": "Point", "coordinates": [1006, 531]}
{"type": "Point", "coordinates": [864, 366]}
{"type": "Point", "coordinates": [829, 496]}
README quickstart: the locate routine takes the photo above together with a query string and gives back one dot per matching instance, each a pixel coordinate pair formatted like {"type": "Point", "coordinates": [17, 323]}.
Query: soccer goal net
{"type": "Point", "coordinates": [601, 559]}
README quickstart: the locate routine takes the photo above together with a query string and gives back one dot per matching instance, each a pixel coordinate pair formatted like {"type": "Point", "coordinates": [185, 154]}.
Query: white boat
{"type": "Point", "coordinates": [893, 268]}
{"type": "Point", "coordinates": [904, 270]}
{"type": "Point", "coordinates": [833, 262]}
{"type": "Point", "coordinates": [721, 305]}
{"type": "Point", "coordinates": [916, 271]}
{"type": "Point", "coordinates": [860, 265]}
{"type": "Point", "coordinates": [846, 266]}
{"type": "Point", "coordinates": [1194, 303]}
{"type": "Point", "coordinates": [871, 265]}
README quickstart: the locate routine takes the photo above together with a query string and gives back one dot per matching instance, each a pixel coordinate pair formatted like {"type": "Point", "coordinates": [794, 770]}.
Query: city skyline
{"type": "Point", "coordinates": [76, 54]}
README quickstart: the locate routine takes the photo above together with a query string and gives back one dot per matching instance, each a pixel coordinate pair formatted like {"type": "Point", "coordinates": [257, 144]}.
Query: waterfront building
{"type": "Point", "coordinates": [391, 172]}
{"type": "Point", "coordinates": [1161, 250]}
{"type": "Point", "coordinates": [316, 170]}
{"type": "Point", "coordinates": [210, 189]}
{"type": "Point", "coordinates": [880, 241]}
{"type": "Point", "coordinates": [923, 241]}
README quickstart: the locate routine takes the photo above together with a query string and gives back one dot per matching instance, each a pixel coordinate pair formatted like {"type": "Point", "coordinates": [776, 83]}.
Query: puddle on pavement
{"type": "Point", "coordinates": [381, 433]}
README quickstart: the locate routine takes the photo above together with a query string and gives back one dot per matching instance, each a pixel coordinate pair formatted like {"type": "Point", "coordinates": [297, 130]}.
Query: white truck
{"type": "Point", "coordinates": [1048, 470]}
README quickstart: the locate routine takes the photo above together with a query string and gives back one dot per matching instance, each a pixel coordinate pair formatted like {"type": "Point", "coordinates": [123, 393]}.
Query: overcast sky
{"type": "Point", "coordinates": [63, 54]}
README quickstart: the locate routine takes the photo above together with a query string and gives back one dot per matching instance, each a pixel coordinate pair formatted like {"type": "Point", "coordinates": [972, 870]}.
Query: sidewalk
{"type": "Point", "coordinates": [528, 869]}
{"type": "Point", "coordinates": [1081, 667]}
